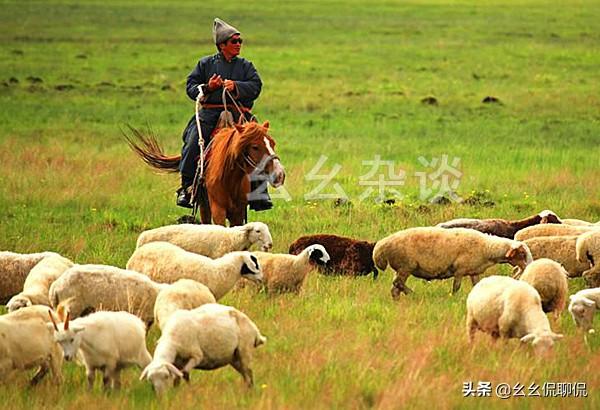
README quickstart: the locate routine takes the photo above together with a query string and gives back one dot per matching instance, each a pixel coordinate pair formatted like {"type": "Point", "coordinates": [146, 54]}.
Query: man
{"type": "Point", "coordinates": [213, 73]}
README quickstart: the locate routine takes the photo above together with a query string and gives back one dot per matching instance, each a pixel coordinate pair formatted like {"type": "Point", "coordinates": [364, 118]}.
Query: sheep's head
{"type": "Point", "coordinates": [318, 254]}
{"type": "Point", "coordinates": [250, 268]}
{"type": "Point", "coordinates": [582, 310]}
{"type": "Point", "coordinates": [161, 375]}
{"type": "Point", "coordinates": [18, 302]}
{"type": "Point", "coordinates": [69, 337]}
{"type": "Point", "coordinates": [258, 233]}
{"type": "Point", "coordinates": [549, 217]}
{"type": "Point", "coordinates": [542, 342]}
{"type": "Point", "coordinates": [519, 255]}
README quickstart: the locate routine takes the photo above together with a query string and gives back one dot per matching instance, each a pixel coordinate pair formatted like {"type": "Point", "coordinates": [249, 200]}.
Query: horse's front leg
{"type": "Point", "coordinates": [218, 213]}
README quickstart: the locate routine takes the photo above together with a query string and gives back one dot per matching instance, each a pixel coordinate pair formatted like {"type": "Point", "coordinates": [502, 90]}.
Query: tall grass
{"type": "Point", "coordinates": [343, 79]}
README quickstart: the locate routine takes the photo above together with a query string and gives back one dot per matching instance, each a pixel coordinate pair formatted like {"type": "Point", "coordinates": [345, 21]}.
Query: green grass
{"type": "Point", "coordinates": [344, 79]}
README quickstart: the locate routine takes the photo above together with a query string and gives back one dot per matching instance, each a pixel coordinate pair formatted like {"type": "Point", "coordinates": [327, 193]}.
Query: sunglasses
{"type": "Point", "coordinates": [236, 41]}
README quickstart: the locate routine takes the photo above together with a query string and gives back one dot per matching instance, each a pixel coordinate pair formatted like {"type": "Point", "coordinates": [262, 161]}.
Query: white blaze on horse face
{"type": "Point", "coordinates": [278, 172]}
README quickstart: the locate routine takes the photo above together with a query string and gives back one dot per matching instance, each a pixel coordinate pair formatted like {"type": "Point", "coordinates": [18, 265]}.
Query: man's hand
{"type": "Point", "coordinates": [215, 82]}
{"type": "Point", "coordinates": [229, 85]}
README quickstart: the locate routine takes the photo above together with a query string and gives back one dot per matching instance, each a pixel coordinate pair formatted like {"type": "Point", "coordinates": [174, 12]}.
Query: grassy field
{"type": "Point", "coordinates": [345, 80]}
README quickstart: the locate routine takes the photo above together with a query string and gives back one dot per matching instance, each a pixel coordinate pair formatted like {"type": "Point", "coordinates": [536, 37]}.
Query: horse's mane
{"type": "Point", "coordinates": [228, 146]}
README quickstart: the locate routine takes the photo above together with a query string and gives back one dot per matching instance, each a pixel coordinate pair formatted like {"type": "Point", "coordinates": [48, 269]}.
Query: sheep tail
{"type": "Point", "coordinates": [380, 256]}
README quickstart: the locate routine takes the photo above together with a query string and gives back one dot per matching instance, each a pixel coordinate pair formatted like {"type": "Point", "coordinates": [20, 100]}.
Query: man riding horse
{"type": "Point", "coordinates": [213, 74]}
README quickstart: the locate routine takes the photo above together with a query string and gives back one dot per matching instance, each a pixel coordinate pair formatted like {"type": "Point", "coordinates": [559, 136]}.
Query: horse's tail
{"type": "Point", "coordinates": [151, 152]}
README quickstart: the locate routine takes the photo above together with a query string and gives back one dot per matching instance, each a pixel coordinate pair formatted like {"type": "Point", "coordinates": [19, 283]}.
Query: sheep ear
{"type": "Point", "coordinates": [528, 338]}
{"type": "Point", "coordinates": [557, 336]}
{"type": "Point", "coordinates": [588, 302]}
{"type": "Point", "coordinates": [511, 252]}
{"type": "Point", "coordinates": [174, 370]}
{"type": "Point", "coordinates": [571, 297]}
{"type": "Point", "coordinates": [77, 329]}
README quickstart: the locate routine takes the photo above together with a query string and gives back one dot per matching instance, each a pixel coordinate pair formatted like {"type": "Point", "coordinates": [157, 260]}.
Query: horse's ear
{"type": "Point", "coordinates": [266, 125]}
{"type": "Point", "coordinates": [239, 128]}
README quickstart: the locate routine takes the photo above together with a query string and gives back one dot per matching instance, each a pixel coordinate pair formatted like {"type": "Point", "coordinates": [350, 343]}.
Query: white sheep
{"type": "Point", "coordinates": [583, 305]}
{"type": "Point", "coordinates": [549, 278]}
{"type": "Point", "coordinates": [213, 241]}
{"type": "Point", "coordinates": [579, 222]}
{"type": "Point", "coordinates": [287, 273]}
{"type": "Point", "coordinates": [537, 231]}
{"type": "Point", "coordinates": [560, 249]}
{"type": "Point", "coordinates": [509, 308]}
{"type": "Point", "coordinates": [183, 294]}
{"type": "Point", "coordinates": [84, 289]}
{"type": "Point", "coordinates": [41, 276]}
{"type": "Point", "coordinates": [166, 263]}
{"type": "Point", "coordinates": [26, 342]}
{"type": "Point", "coordinates": [106, 341]}
{"type": "Point", "coordinates": [437, 253]}
{"type": "Point", "coordinates": [14, 268]}
{"type": "Point", "coordinates": [587, 250]}
{"type": "Point", "coordinates": [205, 338]}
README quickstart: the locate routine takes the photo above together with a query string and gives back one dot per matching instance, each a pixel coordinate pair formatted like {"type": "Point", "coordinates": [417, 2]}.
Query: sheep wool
{"type": "Point", "coordinates": [84, 289]}
{"type": "Point", "coordinates": [213, 241]}
{"type": "Point", "coordinates": [184, 294]}
{"type": "Point", "coordinates": [549, 278]}
{"type": "Point", "coordinates": [587, 250]}
{"type": "Point", "coordinates": [437, 253]}
{"type": "Point", "coordinates": [560, 249]}
{"type": "Point", "coordinates": [14, 268]}
{"type": "Point", "coordinates": [166, 263]}
{"type": "Point", "coordinates": [509, 308]}
{"type": "Point", "coordinates": [538, 231]}
{"type": "Point", "coordinates": [42, 275]}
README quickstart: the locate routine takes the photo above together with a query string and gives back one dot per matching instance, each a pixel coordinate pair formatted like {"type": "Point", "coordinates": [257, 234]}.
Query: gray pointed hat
{"type": "Point", "coordinates": [223, 31]}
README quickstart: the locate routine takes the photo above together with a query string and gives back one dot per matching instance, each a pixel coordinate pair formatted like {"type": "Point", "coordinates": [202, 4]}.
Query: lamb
{"type": "Point", "coordinates": [347, 256]}
{"type": "Point", "coordinates": [560, 249]}
{"type": "Point", "coordinates": [26, 342]}
{"type": "Point", "coordinates": [14, 268]}
{"type": "Point", "coordinates": [183, 294]}
{"type": "Point", "coordinates": [582, 307]}
{"type": "Point", "coordinates": [509, 308]}
{"type": "Point", "coordinates": [286, 273]}
{"type": "Point", "coordinates": [549, 278]}
{"type": "Point", "coordinates": [106, 341]}
{"type": "Point", "coordinates": [205, 338]}
{"type": "Point", "coordinates": [213, 241]}
{"type": "Point", "coordinates": [166, 263]}
{"type": "Point", "coordinates": [587, 250]}
{"type": "Point", "coordinates": [438, 253]}
{"type": "Point", "coordinates": [84, 289]}
{"type": "Point", "coordinates": [501, 227]}
{"type": "Point", "coordinates": [551, 230]}
{"type": "Point", "coordinates": [35, 289]}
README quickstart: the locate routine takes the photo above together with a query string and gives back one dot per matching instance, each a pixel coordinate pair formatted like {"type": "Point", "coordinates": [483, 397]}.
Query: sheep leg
{"type": "Point", "coordinates": [239, 364]}
{"type": "Point", "coordinates": [39, 375]}
{"type": "Point", "coordinates": [471, 327]}
{"type": "Point", "coordinates": [193, 362]}
{"type": "Point", "coordinates": [399, 285]}
{"type": "Point", "coordinates": [475, 279]}
{"type": "Point", "coordinates": [456, 284]}
{"type": "Point", "coordinates": [90, 377]}
{"type": "Point", "coordinates": [116, 376]}
{"type": "Point", "coordinates": [106, 378]}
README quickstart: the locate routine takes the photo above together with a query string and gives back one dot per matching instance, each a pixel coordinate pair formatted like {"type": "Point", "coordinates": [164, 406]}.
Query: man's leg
{"type": "Point", "coordinates": [187, 166]}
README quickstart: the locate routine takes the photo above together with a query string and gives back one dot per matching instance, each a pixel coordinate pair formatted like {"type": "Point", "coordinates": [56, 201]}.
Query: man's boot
{"type": "Point", "coordinates": [258, 198]}
{"type": "Point", "coordinates": [184, 196]}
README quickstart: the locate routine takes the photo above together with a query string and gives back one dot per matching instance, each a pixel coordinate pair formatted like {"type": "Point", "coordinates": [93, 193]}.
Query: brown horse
{"type": "Point", "coordinates": [233, 155]}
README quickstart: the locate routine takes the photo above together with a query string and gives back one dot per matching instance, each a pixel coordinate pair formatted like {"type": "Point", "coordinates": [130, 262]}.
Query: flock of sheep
{"type": "Point", "coordinates": [99, 314]}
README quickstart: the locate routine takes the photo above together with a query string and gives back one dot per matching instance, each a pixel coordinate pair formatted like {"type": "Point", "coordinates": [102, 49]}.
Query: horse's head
{"type": "Point", "coordinates": [259, 152]}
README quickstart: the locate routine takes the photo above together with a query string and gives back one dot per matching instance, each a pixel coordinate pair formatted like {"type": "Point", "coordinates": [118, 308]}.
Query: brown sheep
{"type": "Point", "coordinates": [348, 256]}
{"type": "Point", "coordinates": [501, 227]}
